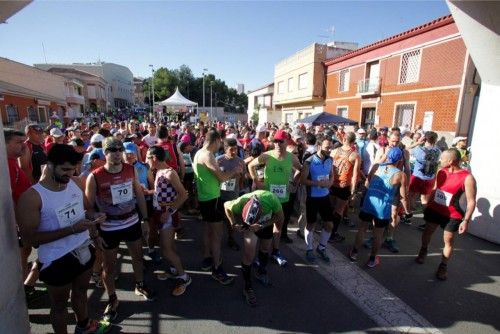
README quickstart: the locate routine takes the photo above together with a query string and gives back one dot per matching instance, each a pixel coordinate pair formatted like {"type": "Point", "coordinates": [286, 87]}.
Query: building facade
{"type": "Point", "coordinates": [414, 78]}
{"type": "Point", "coordinates": [119, 90]}
{"type": "Point", "coordinates": [88, 93]}
{"type": "Point", "coordinates": [28, 94]}
{"type": "Point", "coordinates": [261, 106]}
{"type": "Point", "coordinates": [299, 81]}
{"type": "Point", "coordinates": [139, 92]}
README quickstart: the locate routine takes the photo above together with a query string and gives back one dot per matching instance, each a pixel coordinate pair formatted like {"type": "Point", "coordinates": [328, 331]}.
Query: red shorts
{"type": "Point", "coordinates": [422, 187]}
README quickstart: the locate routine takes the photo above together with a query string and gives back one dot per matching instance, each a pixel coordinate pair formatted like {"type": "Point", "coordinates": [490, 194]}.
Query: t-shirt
{"type": "Point", "coordinates": [230, 189]}
{"type": "Point", "coordinates": [368, 158]}
{"type": "Point", "coordinates": [426, 162]}
{"type": "Point", "coordinates": [269, 202]}
{"type": "Point", "coordinates": [150, 140]}
{"type": "Point", "coordinates": [19, 181]}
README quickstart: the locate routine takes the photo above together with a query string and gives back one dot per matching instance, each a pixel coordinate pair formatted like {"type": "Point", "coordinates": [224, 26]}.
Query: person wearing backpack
{"type": "Point", "coordinates": [425, 168]}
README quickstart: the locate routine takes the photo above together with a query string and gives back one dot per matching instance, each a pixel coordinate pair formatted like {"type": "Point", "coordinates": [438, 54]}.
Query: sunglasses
{"type": "Point", "coordinates": [114, 149]}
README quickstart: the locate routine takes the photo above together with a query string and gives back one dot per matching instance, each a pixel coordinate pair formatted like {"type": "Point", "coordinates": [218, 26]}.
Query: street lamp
{"type": "Point", "coordinates": [204, 70]}
{"type": "Point", "coordinates": [153, 85]}
{"type": "Point", "coordinates": [211, 106]}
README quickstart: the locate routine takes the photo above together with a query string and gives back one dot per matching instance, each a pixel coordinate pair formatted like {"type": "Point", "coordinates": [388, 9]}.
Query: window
{"type": "Point", "coordinates": [281, 87]}
{"type": "Point", "coordinates": [303, 81]}
{"type": "Point", "coordinates": [289, 118]}
{"type": "Point", "coordinates": [404, 115]}
{"type": "Point", "coordinates": [32, 116]}
{"type": "Point", "coordinates": [79, 90]}
{"type": "Point", "coordinates": [410, 66]}
{"type": "Point", "coordinates": [344, 80]}
{"type": "Point", "coordinates": [42, 115]}
{"type": "Point", "coordinates": [12, 115]}
{"type": "Point", "coordinates": [290, 84]}
{"type": "Point", "coordinates": [342, 111]}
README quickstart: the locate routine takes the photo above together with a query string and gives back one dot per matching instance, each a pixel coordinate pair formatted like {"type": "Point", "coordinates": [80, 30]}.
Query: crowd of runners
{"type": "Point", "coordinates": [82, 190]}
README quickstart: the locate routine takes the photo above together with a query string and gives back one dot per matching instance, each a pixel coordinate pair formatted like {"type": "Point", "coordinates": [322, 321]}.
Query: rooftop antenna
{"type": "Point", "coordinates": [331, 34]}
{"type": "Point", "coordinates": [44, 56]}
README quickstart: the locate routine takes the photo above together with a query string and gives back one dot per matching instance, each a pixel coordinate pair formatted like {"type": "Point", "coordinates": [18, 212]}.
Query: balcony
{"type": "Point", "coordinates": [75, 99]}
{"type": "Point", "coordinates": [369, 86]}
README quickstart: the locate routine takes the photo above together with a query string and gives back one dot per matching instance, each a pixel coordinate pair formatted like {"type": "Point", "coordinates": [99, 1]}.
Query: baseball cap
{"type": "Point", "coordinates": [97, 138]}
{"type": "Point", "coordinates": [233, 136]}
{"type": "Point", "coordinates": [130, 148]}
{"type": "Point", "coordinates": [281, 135]}
{"type": "Point", "coordinates": [251, 211]}
{"type": "Point", "coordinates": [56, 132]}
{"type": "Point", "coordinates": [457, 139]}
{"type": "Point", "coordinates": [186, 139]}
{"type": "Point", "coordinates": [34, 127]}
{"type": "Point", "coordinates": [76, 142]}
{"type": "Point", "coordinates": [384, 128]}
{"type": "Point", "coordinates": [111, 143]}
{"type": "Point", "coordinates": [261, 128]}
{"type": "Point", "coordinates": [393, 155]}
{"type": "Point", "coordinates": [361, 131]}
{"type": "Point", "coordinates": [296, 134]}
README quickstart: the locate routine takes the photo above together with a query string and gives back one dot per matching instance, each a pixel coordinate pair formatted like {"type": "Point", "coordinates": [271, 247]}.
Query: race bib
{"type": "Point", "coordinates": [70, 213]}
{"type": "Point", "coordinates": [323, 177]}
{"type": "Point", "coordinates": [228, 185]}
{"type": "Point", "coordinates": [442, 197]}
{"type": "Point", "coordinates": [121, 193]}
{"type": "Point", "coordinates": [260, 173]}
{"type": "Point", "coordinates": [279, 190]}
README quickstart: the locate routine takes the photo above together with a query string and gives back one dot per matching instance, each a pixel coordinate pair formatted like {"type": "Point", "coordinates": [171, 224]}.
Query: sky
{"type": "Point", "coordinates": [237, 41]}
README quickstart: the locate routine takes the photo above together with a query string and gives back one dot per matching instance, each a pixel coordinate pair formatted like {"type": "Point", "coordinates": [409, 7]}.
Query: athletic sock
{"type": "Point", "coordinates": [308, 237]}
{"type": "Point", "coordinates": [263, 258]}
{"type": "Point", "coordinates": [323, 238]}
{"type": "Point", "coordinates": [184, 277]}
{"type": "Point", "coordinates": [247, 271]}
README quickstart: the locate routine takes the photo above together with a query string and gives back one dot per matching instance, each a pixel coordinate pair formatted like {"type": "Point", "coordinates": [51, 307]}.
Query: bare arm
{"type": "Point", "coordinates": [470, 194]}
{"type": "Point", "coordinates": [403, 191]}
{"type": "Point", "coordinates": [25, 164]}
{"type": "Point", "coordinates": [139, 196]}
{"type": "Point", "coordinates": [355, 174]}
{"type": "Point", "coordinates": [298, 168]}
{"type": "Point", "coordinates": [252, 166]}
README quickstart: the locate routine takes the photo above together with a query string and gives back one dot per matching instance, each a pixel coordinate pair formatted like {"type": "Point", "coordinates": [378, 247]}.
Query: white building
{"type": "Point", "coordinates": [120, 81]}
{"type": "Point", "coordinates": [260, 102]}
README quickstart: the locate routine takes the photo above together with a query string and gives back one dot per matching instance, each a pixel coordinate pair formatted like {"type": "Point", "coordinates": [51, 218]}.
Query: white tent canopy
{"type": "Point", "coordinates": [177, 100]}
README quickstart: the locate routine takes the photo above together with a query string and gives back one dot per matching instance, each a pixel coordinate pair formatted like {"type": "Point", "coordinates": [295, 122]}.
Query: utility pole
{"type": "Point", "coordinates": [153, 85]}
{"type": "Point", "coordinates": [204, 70]}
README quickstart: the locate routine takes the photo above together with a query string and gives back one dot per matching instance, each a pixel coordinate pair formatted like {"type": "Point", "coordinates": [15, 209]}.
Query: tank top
{"type": "Point", "coordinates": [344, 169]}
{"type": "Point", "coordinates": [60, 209]}
{"type": "Point", "coordinates": [164, 192]}
{"type": "Point", "coordinates": [449, 188]}
{"type": "Point", "coordinates": [116, 198]}
{"type": "Point", "coordinates": [319, 170]}
{"type": "Point", "coordinates": [380, 194]}
{"type": "Point", "coordinates": [277, 176]}
{"type": "Point", "coordinates": [207, 183]}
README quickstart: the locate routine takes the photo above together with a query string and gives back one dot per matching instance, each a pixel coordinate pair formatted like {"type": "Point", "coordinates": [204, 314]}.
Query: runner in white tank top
{"type": "Point", "coordinates": [51, 214]}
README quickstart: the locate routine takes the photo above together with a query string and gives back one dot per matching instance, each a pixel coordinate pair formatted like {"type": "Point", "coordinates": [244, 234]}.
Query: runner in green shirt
{"type": "Point", "coordinates": [255, 215]}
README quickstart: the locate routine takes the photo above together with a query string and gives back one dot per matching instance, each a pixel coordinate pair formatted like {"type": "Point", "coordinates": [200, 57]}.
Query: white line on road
{"type": "Point", "coordinates": [387, 310]}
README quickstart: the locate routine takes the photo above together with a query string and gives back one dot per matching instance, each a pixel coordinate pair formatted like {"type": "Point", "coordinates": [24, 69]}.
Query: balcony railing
{"type": "Point", "coordinates": [369, 86]}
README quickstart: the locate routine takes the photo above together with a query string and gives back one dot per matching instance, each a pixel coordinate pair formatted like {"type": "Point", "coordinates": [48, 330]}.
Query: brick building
{"type": "Point", "coordinates": [417, 77]}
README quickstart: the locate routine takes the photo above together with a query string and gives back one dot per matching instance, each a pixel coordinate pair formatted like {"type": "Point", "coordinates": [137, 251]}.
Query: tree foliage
{"type": "Point", "coordinates": [166, 81]}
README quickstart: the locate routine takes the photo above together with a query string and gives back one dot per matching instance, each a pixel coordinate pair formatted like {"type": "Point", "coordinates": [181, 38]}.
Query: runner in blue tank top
{"type": "Point", "coordinates": [384, 182]}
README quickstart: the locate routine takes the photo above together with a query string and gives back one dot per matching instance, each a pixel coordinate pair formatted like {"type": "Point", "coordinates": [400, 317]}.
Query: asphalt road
{"type": "Point", "coordinates": [344, 297]}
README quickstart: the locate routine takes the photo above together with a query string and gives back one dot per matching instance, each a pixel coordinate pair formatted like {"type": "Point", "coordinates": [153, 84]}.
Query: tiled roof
{"type": "Point", "coordinates": [393, 39]}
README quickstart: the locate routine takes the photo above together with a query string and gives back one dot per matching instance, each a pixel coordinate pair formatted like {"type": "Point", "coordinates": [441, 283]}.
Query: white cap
{"type": "Point", "coordinates": [97, 138]}
{"type": "Point", "coordinates": [233, 136]}
{"type": "Point", "coordinates": [457, 139]}
{"type": "Point", "coordinates": [56, 132]}
{"type": "Point", "coordinates": [261, 128]}
{"type": "Point", "coordinates": [361, 131]}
